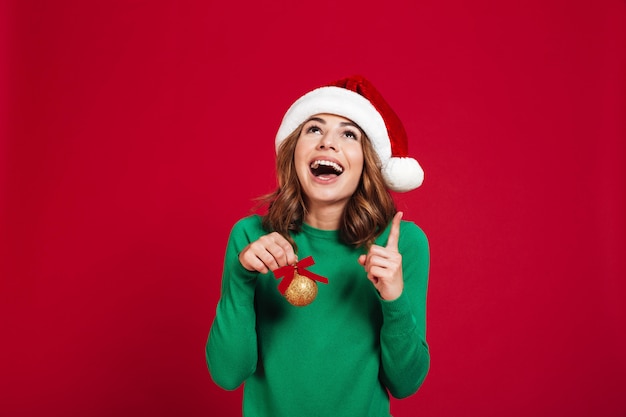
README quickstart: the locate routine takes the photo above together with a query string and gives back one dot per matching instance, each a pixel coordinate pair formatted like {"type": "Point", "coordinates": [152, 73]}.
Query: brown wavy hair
{"type": "Point", "coordinates": [367, 213]}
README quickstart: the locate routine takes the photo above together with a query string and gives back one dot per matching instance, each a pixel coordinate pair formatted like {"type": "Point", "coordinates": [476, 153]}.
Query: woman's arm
{"type": "Point", "coordinates": [231, 349]}
{"type": "Point", "coordinates": [404, 351]}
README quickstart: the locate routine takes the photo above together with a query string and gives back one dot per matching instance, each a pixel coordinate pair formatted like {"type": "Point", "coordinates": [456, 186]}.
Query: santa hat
{"type": "Point", "coordinates": [355, 98]}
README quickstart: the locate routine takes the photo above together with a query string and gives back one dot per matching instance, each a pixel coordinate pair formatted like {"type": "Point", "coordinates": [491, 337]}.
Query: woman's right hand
{"type": "Point", "coordinates": [268, 253]}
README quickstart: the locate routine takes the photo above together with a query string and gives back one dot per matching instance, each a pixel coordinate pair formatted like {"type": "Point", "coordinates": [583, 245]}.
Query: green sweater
{"type": "Point", "coordinates": [339, 356]}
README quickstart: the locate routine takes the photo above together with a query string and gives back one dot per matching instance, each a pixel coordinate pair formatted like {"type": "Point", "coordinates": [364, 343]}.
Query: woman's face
{"type": "Point", "coordinates": [329, 160]}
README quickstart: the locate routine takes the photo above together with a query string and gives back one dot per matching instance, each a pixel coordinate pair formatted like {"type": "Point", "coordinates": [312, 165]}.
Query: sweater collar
{"type": "Point", "coordinates": [319, 233]}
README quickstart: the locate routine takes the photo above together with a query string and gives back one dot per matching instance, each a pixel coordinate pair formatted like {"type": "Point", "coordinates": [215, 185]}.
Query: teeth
{"type": "Point", "coordinates": [334, 165]}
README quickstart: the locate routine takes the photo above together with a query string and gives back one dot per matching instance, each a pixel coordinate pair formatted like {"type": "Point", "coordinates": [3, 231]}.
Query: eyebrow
{"type": "Point", "coordinates": [322, 121]}
{"type": "Point", "coordinates": [349, 124]}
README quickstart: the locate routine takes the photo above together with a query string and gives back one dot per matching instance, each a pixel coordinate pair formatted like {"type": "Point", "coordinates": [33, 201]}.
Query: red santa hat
{"type": "Point", "coordinates": [355, 98]}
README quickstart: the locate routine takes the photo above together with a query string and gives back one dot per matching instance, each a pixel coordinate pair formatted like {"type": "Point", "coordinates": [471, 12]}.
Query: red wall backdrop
{"type": "Point", "coordinates": [135, 133]}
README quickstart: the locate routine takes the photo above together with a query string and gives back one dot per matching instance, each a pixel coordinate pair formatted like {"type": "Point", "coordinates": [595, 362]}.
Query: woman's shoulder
{"type": "Point", "coordinates": [412, 229]}
{"type": "Point", "coordinates": [412, 242]}
{"type": "Point", "coordinates": [250, 226]}
{"type": "Point", "coordinates": [253, 220]}
{"type": "Point", "coordinates": [246, 230]}
{"type": "Point", "coordinates": [410, 234]}
{"type": "Point", "coordinates": [249, 223]}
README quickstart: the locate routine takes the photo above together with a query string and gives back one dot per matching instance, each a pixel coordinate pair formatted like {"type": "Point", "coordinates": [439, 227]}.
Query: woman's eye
{"type": "Point", "coordinates": [313, 129]}
{"type": "Point", "coordinates": [351, 135]}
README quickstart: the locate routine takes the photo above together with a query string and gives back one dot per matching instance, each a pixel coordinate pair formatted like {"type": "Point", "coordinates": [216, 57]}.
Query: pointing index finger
{"type": "Point", "coordinates": [394, 233]}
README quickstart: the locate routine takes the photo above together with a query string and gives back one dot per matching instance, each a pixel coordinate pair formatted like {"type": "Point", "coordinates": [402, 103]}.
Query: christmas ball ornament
{"type": "Point", "coordinates": [298, 285]}
{"type": "Point", "coordinates": [301, 291]}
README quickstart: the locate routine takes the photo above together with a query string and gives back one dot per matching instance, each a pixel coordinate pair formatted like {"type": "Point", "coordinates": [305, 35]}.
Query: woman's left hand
{"type": "Point", "coordinates": [384, 264]}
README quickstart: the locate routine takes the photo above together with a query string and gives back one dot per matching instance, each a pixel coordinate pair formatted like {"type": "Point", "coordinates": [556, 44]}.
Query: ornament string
{"type": "Point", "coordinates": [289, 271]}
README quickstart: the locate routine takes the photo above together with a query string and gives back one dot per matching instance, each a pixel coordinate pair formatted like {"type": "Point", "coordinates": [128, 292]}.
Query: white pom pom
{"type": "Point", "coordinates": [402, 174]}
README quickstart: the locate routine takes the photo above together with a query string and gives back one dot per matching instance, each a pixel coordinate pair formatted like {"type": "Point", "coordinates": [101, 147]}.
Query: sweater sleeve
{"type": "Point", "coordinates": [404, 352]}
{"type": "Point", "coordinates": [231, 348]}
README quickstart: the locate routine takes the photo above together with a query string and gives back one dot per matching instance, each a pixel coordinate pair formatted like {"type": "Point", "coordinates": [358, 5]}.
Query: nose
{"type": "Point", "coordinates": [327, 142]}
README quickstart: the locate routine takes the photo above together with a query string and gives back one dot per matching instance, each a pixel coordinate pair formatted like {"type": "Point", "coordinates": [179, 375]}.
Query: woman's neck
{"type": "Point", "coordinates": [324, 217]}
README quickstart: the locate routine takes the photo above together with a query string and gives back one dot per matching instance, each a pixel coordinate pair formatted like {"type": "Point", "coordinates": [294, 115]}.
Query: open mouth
{"type": "Point", "coordinates": [323, 168]}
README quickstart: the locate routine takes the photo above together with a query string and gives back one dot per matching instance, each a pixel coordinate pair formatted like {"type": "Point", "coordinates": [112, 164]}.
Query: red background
{"type": "Point", "coordinates": [136, 133]}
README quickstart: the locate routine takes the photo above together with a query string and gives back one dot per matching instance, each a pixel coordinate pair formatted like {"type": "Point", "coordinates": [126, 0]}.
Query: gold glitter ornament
{"type": "Point", "coordinates": [298, 285]}
{"type": "Point", "coordinates": [301, 291]}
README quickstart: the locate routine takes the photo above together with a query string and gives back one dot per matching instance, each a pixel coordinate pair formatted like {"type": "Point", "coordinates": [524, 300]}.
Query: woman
{"type": "Point", "coordinates": [340, 149]}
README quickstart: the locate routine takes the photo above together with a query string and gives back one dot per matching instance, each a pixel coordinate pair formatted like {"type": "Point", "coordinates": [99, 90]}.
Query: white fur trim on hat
{"type": "Point", "coordinates": [341, 102]}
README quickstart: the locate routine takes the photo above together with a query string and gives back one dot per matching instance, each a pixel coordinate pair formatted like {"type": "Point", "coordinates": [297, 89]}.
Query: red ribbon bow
{"type": "Point", "coordinates": [288, 272]}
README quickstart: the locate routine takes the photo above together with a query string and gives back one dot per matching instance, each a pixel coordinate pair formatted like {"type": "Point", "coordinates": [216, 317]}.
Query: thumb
{"type": "Point", "coordinates": [394, 234]}
{"type": "Point", "coordinates": [362, 259]}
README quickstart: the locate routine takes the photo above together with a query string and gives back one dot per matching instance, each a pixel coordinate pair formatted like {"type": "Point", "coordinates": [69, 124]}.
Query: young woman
{"type": "Point", "coordinates": [340, 149]}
